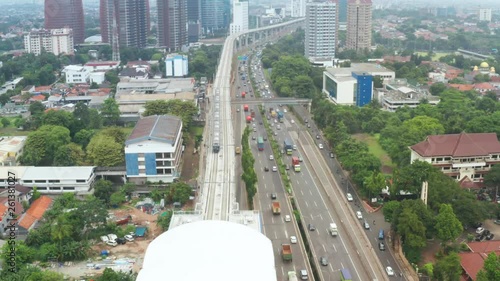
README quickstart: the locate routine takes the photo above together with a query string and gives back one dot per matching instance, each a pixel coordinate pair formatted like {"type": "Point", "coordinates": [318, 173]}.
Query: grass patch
{"type": "Point", "coordinates": [435, 57]}
{"type": "Point", "coordinates": [377, 150]}
{"type": "Point", "coordinates": [194, 130]}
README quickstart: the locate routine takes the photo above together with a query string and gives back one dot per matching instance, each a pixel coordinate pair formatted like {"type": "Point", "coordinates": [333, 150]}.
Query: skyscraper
{"type": "Point", "coordinates": [321, 30]}
{"type": "Point", "coordinates": [240, 16]}
{"type": "Point", "coordinates": [215, 14]}
{"type": "Point", "coordinates": [172, 24]}
{"type": "Point", "coordinates": [65, 13]}
{"type": "Point", "coordinates": [131, 19]}
{"type": "Point", "coordinates": [194, 20]}
{"type": "Point", "coordinates": [359, 24]}
{"type": "Point", "coordinates": [298, 8]}
{"type": "Point", "coordinates": [342, 11]}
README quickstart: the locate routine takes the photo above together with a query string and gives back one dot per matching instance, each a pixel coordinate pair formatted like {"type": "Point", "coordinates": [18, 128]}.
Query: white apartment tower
{"type": "Point", "coordinates": [321, 30]}
{"type": "Point", "coordinates": [240, 16]}
{"type": "Point", "coordinates": [485, 14]}
{"type": "Point", "coordinates": [56, 41]}
{"type": "Point", "coordinates": [298, 8]}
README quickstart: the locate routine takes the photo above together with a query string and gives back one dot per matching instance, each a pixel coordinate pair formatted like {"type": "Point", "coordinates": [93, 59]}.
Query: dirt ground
{"type": "Point", "coordinates": [132, 250]}
{"type": "Point", "coordinates": [190, 162]}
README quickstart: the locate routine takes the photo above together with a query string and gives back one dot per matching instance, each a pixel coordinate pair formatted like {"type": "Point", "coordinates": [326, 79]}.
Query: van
{"type": "Point", "coordinates": [381, 234]}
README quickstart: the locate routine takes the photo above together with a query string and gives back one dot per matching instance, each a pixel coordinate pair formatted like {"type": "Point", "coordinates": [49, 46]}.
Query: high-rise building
{"type": "Point", "coordinates": [56, 41]}
{"type": "Point", "coordinates": [172, 24]}
{"type": "Point", "coordinates": [321, 30]}
{"type": "Point", "coordinates": [342, 8]}
{"type": "Point", "coordinates": [240, 16]}
{"type": "Point", "coordinates": [131, 19]}
{"type": "Point", "coordinates": [298, 8]}
{"type": "Point", "coordinates": [359, 24]}
{"type": "Point", "coordinates": [65, 14]}
{"type": "Point", "coordinates": [215, 14]}
{"type": "Point", "coordinates": [194, 20]}
{"type": "Point", "coordinates": [485, 14]}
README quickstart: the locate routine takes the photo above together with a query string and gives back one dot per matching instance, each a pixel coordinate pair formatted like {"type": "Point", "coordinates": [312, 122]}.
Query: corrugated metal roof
{"type": "Point", "coordinates": [159, 127]}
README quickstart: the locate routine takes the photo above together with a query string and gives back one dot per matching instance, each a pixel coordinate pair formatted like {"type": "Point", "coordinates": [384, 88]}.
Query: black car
{"type": "Point", "coordinates": [274, 196]}
{"type": "Point", "coordinates": [311, 227]}
{"type": "Point", "coordinates": [323, 261]}
{"type": "Point", "coordinates": [490, 236]}
{"type": "Point", "coordinates": [265, 138]}
{"type": "Point", "coordinates": [121, 241]}
{"type": "Point", "coordinates": [266, 169]}
{"type": "Point", "coordinates": [287, 167]}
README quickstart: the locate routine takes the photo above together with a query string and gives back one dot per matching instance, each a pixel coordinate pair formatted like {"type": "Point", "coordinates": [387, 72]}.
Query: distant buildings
{"type": "Point", "coordinates": [172, 24]}
{"type": "Point", "coordinates": [215, 15]}
{"type": "Point", "coordinates": [132, 19]}
{"type": "Point", "coordinates": [359, 24]}
{"type": "Point", "coordinates": [56, 41]}
{"type": "Point", "coordinates": [321, 30]}
{"type": "Point", "coordinates": [11, 149]}
{"type": "Point", "coordinates": [153, 150]}
{"type": "Point", "coordinates": [194, 20]}
{"type": "Point", "coordinates": [240, 16]}
{"type": "Point", "coordinates": [298, 8]}
{"type": "Point", "coordinates": [176, 65]}
{"type": "Point", "coordinates": [76, 74]}
{"type": "Point", "coordinates": [465, 157]}
{"type": "Point", "coordinates": [485, 15]}
{"type": "Point", "coordinates": [353, 85]}
{"type": "Point", "coordinates": [66, 14]}
{"type": "Point", "coordinates": [398, 93]}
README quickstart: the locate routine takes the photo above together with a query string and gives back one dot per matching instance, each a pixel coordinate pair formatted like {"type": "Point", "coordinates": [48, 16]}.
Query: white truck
{"type": "Point", "coordinates": [292, 276]}
{"type": "Point", "coordinates": [333, 229]}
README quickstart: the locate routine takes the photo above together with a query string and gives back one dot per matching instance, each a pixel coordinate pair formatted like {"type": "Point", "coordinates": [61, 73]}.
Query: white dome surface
{"type": "Point", "coordinates": [209, 250]}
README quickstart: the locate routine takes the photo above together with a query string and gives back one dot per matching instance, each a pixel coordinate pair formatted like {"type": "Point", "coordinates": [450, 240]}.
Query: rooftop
{"type": "Point", "coordinates": [358, 67]}
{"type": "Point", "coordinates": [163, 128]}
{"type": "Point", "coordinates": [74, 68]}
{"type": "Point", "coordinates": [161, 85]}
{"type": "Point", "coordinates": [458, 145]}
{"type": "Point", "coordinates": [35, 212]}
{"type": "Point", "coordinates": [227, 250]}
{"type": "Point", "coordinates": [16, 171]}
{"type": "Point", "coordinates": [62, 173]}
{"type": "Point", "coordinates": [473, 262]}
{"type": "Point", "coordinates": [103, 63]}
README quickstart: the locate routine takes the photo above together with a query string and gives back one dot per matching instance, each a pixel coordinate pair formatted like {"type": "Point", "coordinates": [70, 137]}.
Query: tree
{"type": "Point", "coordinates": [375, 183]}
{"type": "Point", "coordinates": [104, 151]}
{"type": "Point", "coordinates": [164, 220]}
{"type": "Point", "coordinates": [111, 275]}
{"type": "Point", "coordinates": [491, 268]}
{"type": "Point", "coordinates": [46, 275]}
{"type": "Point", "coordinates": [117, 198]}
{"type": "Point", "coordinates": [70, 154]}
{"type": "Point", "coordinates": [492, 178]}
{"type": "Point", "coordinates": [61, 229]}
{"type": "Point", "coordinates": [110, 112]}
{"type": "Point", "coordinates": [82, 114]}
{"type": "Point", "coordinates": [5, 122]}
{"type": "Point", "coordinates": [411, 229]}
{"type": "Point", "coordinates": [179, 192]}
{"type": "Point", "coordinates": [23, 255]}
{"type": "Point", "coordinates": [41, 145]}
{"type": "Point", "coordinates": [183, 109]}
{"type": "Point", "coordinates": [437, 88]}
{"type": "Point", "coordinates": [389, 209]}
{"type": "Point", "coordinates": [448, 268]}
{"type": "Point", "coordinates": [447, 225]}
{"type": "Point", "coordinates": [36, 194]}
{"type": "Point", "coordinates": [58, 118]}
{"type": "Point", "coordinates": [94, 85]}
{"type": "Point", "coordinates": [95, 119]}
{"type": "Point", "coordinates": [103, 190]}
{"type": "Point", "coordinates": [83, 137]}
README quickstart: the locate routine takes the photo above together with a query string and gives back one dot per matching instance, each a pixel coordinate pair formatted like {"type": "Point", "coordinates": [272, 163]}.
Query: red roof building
{"type": "Point", "coordinates": [464, 157]}
{"type": "Point", "coordinates": [472, 262]}
{"type": "Point", "coordinates": [35, 212]}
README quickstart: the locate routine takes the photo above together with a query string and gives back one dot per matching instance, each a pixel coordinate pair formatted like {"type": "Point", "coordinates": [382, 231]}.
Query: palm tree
{"type": "Point", "coordinates": [60, 230]}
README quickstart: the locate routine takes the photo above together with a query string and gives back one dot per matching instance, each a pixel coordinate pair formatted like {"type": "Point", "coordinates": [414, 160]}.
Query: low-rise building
{"type": "Point", "coordinates": [76, 74]}
{"type": "Point", "coordinates": [11, 149]}
{"type": "Point", "coordinates": [353, 85]}
{"type": "Point", "coordinates": [153, 151]}
{"type": "Point", "coordinates": [464, 157]}
{"type": "Point", "coordinates": [398, 93]}
{"type": "Point", "coordinates": [34, 214]}
{"type": "Point", "coordinates": [472, 262]}
{"type": "Point", "coordinates": [101, 65]}
{"type": "Point", "coordinates": [176, 65]}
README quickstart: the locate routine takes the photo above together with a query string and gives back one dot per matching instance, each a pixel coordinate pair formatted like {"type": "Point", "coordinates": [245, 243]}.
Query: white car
{"type": "Point", "coordinates": [288, 218]}
{"type": "Point", "coordinates": [111, 243]}
{"type": "Point", "coordinates": [359, 215]}
{"type": "Point", "coordinates": [284, 110]}
{"type": "Point", "coordinates": [389, 271]}
{"type": "Point", "coordinates": [129, 238]}
{"type": "Point", "coordinates": [320, 146]}
{"type": "Point", "coordinates": [349, 197]}
{"type": "Point", "coordinates": [271, 157]}
{"type": "Point", "coordinates": [293, 121]}
{"type": "Point", "coordinates": [293, 239]}
{"type": "Point", "coordinates": [112, 236]}
{"type": "Point", "coordinates": [275, 169]}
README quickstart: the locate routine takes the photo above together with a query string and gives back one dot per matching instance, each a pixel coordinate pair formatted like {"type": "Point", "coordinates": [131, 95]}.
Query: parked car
{"type": "Point", "coordinates": [129, 237]}
{"type": "Point", "coordinates": [121, 241]}
{"type": "Point", "coordinates": [480, 230]}
{"type": "Point", "coordinates": [111, 243]}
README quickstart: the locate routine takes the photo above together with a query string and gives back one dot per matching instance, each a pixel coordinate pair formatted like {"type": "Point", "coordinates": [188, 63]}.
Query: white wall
{"type": "Point", "coordinates": [149, 147]}
{"type": "Point", "coordinates": [97, 77]}
{"type": "Point", "coordinates": [345, 92]}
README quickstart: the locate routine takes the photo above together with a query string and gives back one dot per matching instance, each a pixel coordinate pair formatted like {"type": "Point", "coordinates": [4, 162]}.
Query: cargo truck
{"type": "Point", "coordinates": [296, 163]}
{"type": "Point", "coordinates": [286, 252]}
{"type": "Point", "coordinates": [243, 94]}
{"type": "Point", "coordinates": [276, 208]}
{"type": "Point", "coordinates": [245, 107]}
{"type": "Point", "coordinates": [288, 147]}
{"type": "Point", "coordinates": [333, 229]}
{"type": "Point", "coordinates": [249, 119]}
{"type": "Point", "coordinates": [252, 113]}
{"type": "Point", "coordinates": [292, 276]}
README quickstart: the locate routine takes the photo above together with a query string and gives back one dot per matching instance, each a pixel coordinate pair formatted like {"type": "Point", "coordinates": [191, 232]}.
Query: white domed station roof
{"type": "Point", "coordinates": [209, 250]}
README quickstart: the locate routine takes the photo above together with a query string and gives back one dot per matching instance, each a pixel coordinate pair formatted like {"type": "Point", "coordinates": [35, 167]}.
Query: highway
{"type": "Point", "coordinates": [274, 226]}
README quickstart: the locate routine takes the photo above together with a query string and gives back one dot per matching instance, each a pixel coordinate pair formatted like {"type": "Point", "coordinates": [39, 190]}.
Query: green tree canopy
{"type": "Point", "coordinates": [186, 110]}
{"type": "Point", "coordinates": [104, 151]}
{"type": "Point", "coordinates": [42, 145]}
{"type": "Point", "coordinates": [448, 227]}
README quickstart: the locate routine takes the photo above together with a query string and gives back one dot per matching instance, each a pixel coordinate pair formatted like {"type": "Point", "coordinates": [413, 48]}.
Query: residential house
{"type": "Point", "coordinates": [134, 73]}
{"type": "Point", "coordinates": [460, 155]}
{"type": "Point", "coordinates": [154, 148]}
{"type": "Point", "coordinates": [472, 262]}
{"type": "Point", "coordinates": [21, 193]}
{"type": "Point", "coordinates": [34, 214]}
{"type": "Point", "coordinates": [76, 74]}
{"type": "Point", "coordinates": [484, 88]}
{"type": "Point", "coordinates": [11, 149]}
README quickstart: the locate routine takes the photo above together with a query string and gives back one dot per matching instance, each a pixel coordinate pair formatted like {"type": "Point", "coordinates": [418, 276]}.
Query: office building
{"type": "Point", "coordinates": [353, 85]}
{"type": "Point", "coordinates": [215, 15]}
{"type": "Point", "coordinates": [172, 24]}
{"type": "Point", "coordinates": [65, 14]}
{"type": "Point", "coordinates": [298, 8]}
{"type": "Point", "coordinates": [359, 24]}
{"type": "Point", "coordinates": [131, 17]}
{"type": "Point", "coordinates": [56, 41]}
{"type": "Point", "coordinates": [321, 30]}
{"type": "Point", "coordinates": [76, 74]}
{"type": "Point", "coordinates": [194, 20]}
{"type": "Point", "coordinates": [485, 14]}
{"type": "Point", "coordinates": [240, 16]}
{"type": "Point", "coordinates": [153, 150]}
{"type": "Point", "coordinates": [176, 65]}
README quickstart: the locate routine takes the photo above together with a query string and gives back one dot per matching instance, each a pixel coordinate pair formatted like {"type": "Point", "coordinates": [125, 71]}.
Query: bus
{"type": "Point", "coordinates": [260, 144]}
{"type": "Point", "coordinates": [345, 275]}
